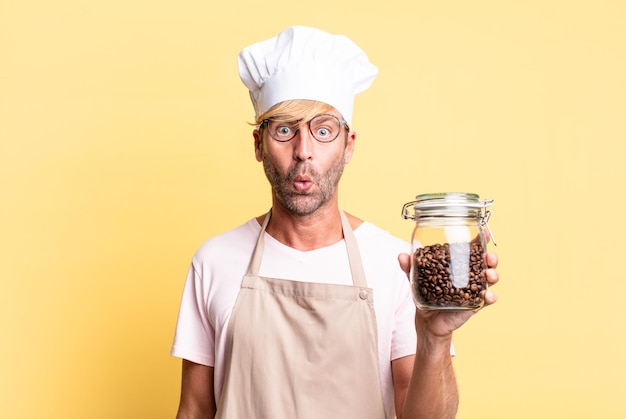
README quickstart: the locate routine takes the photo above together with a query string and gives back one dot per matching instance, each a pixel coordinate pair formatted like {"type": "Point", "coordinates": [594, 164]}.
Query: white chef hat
{"type": "Point", "coordinates": [305, 63]}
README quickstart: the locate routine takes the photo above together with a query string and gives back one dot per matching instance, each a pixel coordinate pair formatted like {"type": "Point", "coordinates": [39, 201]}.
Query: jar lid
{"type": "Point", "coordinates": [452, 205]}
{"type": "Point", "coordinates": [448, 201]}
{"type": "Point", "coordinates": [446, 204]}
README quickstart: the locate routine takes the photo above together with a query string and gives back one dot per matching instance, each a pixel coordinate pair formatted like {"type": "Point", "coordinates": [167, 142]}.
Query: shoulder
{"type": "Point", "coordinates": [379, 252]}
{"type": "Point", "coordinates": [235, 243]}
{"type": "Point", "coordinates": [374, 239]}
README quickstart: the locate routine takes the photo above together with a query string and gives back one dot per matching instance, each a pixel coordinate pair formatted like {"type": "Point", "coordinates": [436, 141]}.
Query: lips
{"type": "Point", "coordinates": [302, 183]}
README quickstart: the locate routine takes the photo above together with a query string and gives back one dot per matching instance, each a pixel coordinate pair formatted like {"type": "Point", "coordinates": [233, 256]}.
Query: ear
{"type": "Point", "coordinates": [258, 144]}
{"type": "Point", "coordinates": [350, 146]}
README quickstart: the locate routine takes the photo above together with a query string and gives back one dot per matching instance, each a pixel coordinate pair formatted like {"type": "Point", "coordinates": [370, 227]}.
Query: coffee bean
{"type": "Point", "coordinates": [449, 275]}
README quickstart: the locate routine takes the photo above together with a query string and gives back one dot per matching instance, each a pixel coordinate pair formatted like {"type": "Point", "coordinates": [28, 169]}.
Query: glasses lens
{"type": "Point", "coordinates": [281, 130]}
{"type": "Point", "coordinates": [325, 128]}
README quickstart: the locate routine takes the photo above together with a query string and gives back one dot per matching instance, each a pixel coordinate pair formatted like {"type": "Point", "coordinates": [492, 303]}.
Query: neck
{"type": "Point", "coordinates": [320, 229]}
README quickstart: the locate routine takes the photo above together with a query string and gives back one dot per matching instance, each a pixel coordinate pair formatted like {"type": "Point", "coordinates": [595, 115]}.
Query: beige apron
{"type": "Point", "coordinates": [300, 350]}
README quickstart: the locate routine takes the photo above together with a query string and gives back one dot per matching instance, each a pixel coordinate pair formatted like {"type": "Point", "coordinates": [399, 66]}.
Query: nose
{"type": "Point", "coordinates": [303, 145]}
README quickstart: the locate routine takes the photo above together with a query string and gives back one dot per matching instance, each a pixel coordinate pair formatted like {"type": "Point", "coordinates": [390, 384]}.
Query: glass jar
{"type": "Point", "coordinates": [447, 250]}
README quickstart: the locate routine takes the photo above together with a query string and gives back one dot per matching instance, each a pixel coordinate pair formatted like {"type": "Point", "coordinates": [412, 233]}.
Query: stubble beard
{"type": "Point", "coordinates": [303, 203]}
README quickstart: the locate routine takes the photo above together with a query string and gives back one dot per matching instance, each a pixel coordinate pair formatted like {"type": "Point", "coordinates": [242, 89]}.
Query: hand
{"type": "Point", "coordinates": [441, 324]}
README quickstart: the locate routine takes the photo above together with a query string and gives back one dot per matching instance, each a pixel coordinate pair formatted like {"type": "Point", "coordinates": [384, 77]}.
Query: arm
{"type": "Point", "coordinates": [424, 384]}
{"type": "Point", "coordinates": [197, 399]}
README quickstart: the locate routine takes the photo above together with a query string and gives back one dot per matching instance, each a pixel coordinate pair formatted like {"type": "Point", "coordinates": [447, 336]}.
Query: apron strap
{"type": "Point", "coordinates": [354, 256]}
{"type": "Point", "coordinates": [257, 253]}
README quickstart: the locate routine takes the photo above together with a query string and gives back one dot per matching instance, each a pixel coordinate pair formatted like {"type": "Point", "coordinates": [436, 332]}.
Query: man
{"type": "Point", "coordinates": [306, 312]}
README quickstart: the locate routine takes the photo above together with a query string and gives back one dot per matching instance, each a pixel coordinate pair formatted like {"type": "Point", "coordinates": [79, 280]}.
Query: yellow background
{"type": "Point", "coordinates": [124, 144]}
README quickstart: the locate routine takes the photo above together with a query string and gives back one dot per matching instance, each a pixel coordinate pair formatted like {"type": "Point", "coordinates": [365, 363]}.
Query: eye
{"type": "Point", "coordinates": [325, 128]}
{"type": "Point", "coordinates": [284, 131]}
{"type": "Point", "coordinates": [323, 132]}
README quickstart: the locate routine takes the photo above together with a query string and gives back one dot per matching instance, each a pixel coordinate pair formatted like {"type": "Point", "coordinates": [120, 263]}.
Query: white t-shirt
{"type": "Point", "coordinates": [218, 267]}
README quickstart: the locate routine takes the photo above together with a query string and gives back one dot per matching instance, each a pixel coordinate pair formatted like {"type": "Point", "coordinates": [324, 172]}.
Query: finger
{"type": "Point", "coordinates": [487, 235]}
{"type": "Point", "coordinates": [490, 297]}
{"type": "Point", "coordinates": [491, 259]}
{"type": "Point", "coordinates": [405, 262]}
{"type": "Point", "coordinates": [492, 276]}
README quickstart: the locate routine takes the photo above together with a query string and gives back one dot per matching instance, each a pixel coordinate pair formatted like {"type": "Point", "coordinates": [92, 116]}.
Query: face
{"type": "Point", "coordinates": [303, 172]}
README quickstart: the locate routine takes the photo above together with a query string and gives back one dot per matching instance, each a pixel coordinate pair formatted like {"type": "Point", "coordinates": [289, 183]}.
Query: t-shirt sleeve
{"type": "Point", "coordinates": [404, 336]}
{"type": "Point", "coordinates": [194, 339]}
{"type": "Point", "coordinates": [404, 340]}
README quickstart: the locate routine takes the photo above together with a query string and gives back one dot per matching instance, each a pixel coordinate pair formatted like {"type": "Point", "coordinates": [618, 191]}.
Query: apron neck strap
{"type": "Point", "coordinates": [354, 256]}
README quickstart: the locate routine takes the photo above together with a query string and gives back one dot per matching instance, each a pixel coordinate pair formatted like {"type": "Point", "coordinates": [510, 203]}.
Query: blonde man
{"type": "Point", "coordinates": [305, 311]}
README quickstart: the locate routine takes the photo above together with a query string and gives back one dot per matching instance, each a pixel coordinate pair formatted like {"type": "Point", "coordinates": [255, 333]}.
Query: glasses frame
{"type": "Point", "coordinates": [342, 123]}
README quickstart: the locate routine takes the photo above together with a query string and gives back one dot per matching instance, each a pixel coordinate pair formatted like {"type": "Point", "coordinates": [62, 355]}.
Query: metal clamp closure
{"type": "Point", "coordinates": [405, 211]}
{"type": "Point", "coordinates": [485, 217]}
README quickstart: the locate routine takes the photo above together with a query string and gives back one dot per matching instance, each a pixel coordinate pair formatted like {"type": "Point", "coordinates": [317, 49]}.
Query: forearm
{"type": "Point", "coordinates": [197, 399]}
{"type": "Point", "coordinates": [432, 392]}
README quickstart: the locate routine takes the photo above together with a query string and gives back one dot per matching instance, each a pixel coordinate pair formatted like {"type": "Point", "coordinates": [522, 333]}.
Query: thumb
{"type": "Point", "coordinates": [405, 262]}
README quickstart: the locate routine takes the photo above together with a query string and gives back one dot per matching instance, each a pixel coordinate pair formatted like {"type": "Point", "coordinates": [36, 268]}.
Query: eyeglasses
{"type": "Point", "coordinates": [325, 128]}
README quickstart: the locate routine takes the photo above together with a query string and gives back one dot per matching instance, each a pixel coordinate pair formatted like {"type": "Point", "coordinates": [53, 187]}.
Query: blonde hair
{"type": "Point", "coordinates": [289, 110]}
